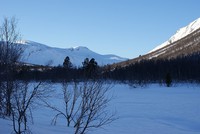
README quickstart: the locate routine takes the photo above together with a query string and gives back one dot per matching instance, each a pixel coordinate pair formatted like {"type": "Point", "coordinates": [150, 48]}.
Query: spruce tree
{"type": "Point", "coordinates": [67, 63]}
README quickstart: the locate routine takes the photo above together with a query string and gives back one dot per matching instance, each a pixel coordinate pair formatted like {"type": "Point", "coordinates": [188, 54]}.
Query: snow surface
{"type": "Point", "coordinates": [151, 110]}
{"type": "Point", "coordinates": [40, 54]}
{"type": "Point", "coordinates": [180, 34]}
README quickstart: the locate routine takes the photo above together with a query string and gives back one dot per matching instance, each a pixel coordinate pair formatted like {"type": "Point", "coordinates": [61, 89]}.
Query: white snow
{"type": "Point", "coordinates": [181, 33]}
{"type": "Point", "coordinates": [151, 110]}
{"type": "Point", "coordinates": [40, 54]}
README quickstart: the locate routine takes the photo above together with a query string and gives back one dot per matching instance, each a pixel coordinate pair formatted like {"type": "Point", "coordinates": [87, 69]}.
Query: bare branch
{"type": "Point", "coordinates": [23, 99]}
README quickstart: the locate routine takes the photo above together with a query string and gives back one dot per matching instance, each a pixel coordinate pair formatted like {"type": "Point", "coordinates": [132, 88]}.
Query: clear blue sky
{"type": "Point", "coordinates": [126, 28]}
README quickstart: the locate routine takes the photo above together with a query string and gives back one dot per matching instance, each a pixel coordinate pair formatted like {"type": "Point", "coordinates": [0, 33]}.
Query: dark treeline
{"type": "Point", "coordinates": [89, 70]}
{"type": "Point", "coordinates": [185, 68]}
{"type": "Point", "coordinates": [50, 74]}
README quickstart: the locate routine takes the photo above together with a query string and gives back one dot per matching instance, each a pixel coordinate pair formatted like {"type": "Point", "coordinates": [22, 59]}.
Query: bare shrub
{"type": "Point", "coordinates": [70, 98]}
{"type": "Point", "coordinates": [86, 106]}
{"type": "Point", "coordinates": [25, 96]}
{"type": "Point", "coordinates": [93, 107]}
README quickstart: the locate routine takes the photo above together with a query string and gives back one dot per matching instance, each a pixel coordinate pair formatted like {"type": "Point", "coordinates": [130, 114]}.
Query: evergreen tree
{"type": "Point", "coordinates": [67, 63]}
{"type": "Point", "coordinates": [85, 63]}
{"type": "Point", "coordinates": [90, 68]}
{"type": "Point", "coordinates": [93, 67]}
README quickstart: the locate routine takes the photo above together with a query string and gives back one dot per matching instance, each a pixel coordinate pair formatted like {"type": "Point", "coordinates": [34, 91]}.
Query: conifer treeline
{"type": "Point", "coordinates": [67, 72]}
{"type": "Point", "coordinates": [184, 68]}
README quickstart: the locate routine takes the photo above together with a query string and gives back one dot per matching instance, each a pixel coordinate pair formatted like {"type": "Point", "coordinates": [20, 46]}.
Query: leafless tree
{"type": "Point", "coordinates": [10, 50]}
{"type": "Point", "coordinates": [24, 97]}
{"type": "Point", "coordinates": [10, 54]}
{"type": "Point", "coordinates": [70, 97]}
{"type": "Point", "coordinates": [85, 106]}
{"type": "Point", "coordinates": [93, 107]}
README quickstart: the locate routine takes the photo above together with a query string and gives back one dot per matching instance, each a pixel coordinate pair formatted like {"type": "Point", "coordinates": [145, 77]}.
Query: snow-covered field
{"type": "Point", "coordinates": [151, 110]}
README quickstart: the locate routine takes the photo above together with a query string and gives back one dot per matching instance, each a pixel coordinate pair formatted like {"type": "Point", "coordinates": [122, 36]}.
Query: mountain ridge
{"type": "Point", "coordinates": [187, 43]}
{"type": "Point", "coordinates": [181, 33]}
{"type": "Point", "coordinates": [41, 54]}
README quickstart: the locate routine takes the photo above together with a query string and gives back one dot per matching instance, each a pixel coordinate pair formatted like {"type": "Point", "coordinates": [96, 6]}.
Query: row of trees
{"type": "Point", "coordinates": [89, 70]}
{"type": "Point", "coordinates": [90, 67]}
{"type": "Point", "coordinates": [184, 68]}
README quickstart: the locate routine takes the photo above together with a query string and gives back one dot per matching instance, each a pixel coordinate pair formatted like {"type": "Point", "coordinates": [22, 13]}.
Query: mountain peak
{"type": "Point", "coordinates": [181, 33]}
{"type": "Point", "coordinates": [80, 48]}
{"type": "Point", "coordinates": [185, 42]}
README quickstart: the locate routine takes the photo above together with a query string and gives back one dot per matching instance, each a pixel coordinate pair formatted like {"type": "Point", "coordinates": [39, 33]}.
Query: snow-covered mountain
{"type": "Point", "coordinates": [186, 41]}
{"type": "Point", "coordinates": [181, 33]}
{"type": "Point", "coordinates": [40, 54]}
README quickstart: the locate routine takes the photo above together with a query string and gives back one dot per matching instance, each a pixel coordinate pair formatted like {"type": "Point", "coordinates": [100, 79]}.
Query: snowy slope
{"type": "Point", "coordinates": [181, 33]}
{"type": "Point", "coordinates": [40, 54]}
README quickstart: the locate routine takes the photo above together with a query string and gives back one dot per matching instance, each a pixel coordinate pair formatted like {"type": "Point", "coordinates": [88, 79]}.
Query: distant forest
{"type": "Point", "coordinates": [181, 69]}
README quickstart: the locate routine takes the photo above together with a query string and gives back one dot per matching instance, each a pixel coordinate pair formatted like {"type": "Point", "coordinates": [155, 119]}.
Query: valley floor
{"type": "Point", "coordinates": [151, 110]}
